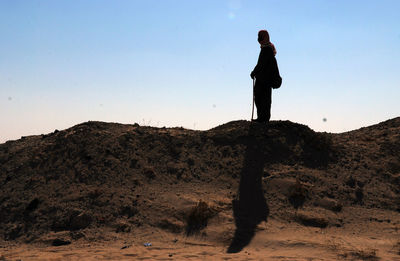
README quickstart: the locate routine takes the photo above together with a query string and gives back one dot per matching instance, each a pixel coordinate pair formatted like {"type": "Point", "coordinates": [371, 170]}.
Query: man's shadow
{"type": "Point", "coordinates": [251, 207]}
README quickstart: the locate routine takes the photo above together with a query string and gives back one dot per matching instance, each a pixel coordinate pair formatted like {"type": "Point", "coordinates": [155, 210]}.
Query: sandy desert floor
{"type": "Point", "coordinates": [273, 240]}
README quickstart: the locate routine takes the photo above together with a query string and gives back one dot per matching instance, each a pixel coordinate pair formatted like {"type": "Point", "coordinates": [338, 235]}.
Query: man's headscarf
{"type": "Point", "coordinates": [263, 39]}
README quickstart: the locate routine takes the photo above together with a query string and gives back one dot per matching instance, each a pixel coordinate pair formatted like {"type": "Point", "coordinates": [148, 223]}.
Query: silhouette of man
{"type": "Point", "coordinates": [267, 77]}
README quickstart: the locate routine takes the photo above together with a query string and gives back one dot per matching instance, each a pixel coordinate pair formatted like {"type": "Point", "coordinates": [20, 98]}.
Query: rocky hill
{"type": "Point", "coordinates": [97, 181]}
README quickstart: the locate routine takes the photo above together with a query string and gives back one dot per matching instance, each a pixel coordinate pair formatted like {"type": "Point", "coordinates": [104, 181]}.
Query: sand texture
{"type": "Point", "coordinates": [240, 191]}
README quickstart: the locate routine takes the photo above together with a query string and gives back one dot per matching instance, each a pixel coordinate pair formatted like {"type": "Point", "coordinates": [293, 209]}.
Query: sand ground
{"type": "Point", "coordinates": [274, 240]}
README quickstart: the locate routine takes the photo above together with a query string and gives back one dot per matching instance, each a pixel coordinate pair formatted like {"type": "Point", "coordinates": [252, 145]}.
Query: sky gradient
{"type": "Point", "coordinates": [187, 63]}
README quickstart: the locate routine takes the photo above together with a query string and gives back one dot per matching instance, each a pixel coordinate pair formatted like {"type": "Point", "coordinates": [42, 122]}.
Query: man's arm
{"type": "Point", "coordinates": [259, 65]}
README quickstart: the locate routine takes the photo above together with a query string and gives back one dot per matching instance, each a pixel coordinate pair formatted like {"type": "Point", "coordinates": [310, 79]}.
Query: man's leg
{"type": "Point", "coordinates": [261, 101]}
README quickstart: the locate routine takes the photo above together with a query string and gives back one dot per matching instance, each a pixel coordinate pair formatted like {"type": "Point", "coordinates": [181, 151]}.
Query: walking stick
{"type": "Point", "coordinates": [252, 110]}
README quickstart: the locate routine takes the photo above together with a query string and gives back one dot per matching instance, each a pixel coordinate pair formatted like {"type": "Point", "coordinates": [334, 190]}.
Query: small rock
{"type": "Point", "coordinates": [329, 204]}
{"type": "Point", "coordinates": [80, 221]}
{"type": "Point", "coordinates": [311, 221]}
{"type": "Point", "coordinates": [60, 242]}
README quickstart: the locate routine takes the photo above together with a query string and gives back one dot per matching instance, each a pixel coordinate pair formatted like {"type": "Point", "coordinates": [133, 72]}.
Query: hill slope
{"type": "Point", "coordinates": [100, 181]}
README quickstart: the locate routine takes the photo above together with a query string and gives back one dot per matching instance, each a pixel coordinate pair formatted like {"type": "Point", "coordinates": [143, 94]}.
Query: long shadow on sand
{"type": "Point", "coordinates": [251, 207]}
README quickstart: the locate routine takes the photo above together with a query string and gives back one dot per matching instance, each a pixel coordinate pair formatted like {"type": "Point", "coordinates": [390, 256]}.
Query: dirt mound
{"type": "Point", "coordinates": [116, 178]}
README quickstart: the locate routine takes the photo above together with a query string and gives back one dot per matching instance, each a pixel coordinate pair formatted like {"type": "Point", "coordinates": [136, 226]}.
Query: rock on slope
{"type": "Point", "coordinates": [117, 178]}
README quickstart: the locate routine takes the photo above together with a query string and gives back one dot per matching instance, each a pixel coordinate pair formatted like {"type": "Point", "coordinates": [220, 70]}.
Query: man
{"type": "Point", "coordinates": [267, 77]}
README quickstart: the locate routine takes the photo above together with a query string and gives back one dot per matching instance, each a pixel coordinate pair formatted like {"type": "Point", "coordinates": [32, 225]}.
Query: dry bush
{"type": "Point", "coordinates": [297, 194]}
{"type": "Point", "coordinates": [198, 217]}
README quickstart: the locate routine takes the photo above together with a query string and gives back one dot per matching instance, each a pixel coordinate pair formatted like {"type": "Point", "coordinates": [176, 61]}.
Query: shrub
{"type": "Point", "coordinates": [198, 217]}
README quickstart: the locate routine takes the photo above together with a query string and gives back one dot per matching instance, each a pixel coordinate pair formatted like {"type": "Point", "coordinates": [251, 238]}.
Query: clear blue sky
{"type": "Point", "coordinates": [187, 63]}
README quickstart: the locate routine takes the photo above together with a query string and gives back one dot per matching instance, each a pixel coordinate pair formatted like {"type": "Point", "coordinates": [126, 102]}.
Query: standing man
{"type": "Point", "coordinates": [267, 77]}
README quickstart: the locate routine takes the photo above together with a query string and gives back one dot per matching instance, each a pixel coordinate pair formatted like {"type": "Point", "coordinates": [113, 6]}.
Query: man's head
{"type": "Point", "coordinates": [263, 37]}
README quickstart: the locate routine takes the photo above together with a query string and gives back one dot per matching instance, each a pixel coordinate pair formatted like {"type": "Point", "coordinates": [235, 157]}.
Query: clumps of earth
{"type": "Point", "coordinates": [96, 181]}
